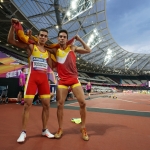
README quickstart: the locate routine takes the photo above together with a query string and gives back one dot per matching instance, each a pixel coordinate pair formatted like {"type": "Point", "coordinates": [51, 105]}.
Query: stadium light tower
{"type": "Point", "coordinates": [108, 56]}
{"type": "Point", "coordinates": [128, 63]}
{"type": "Point", "coordinates": [75, 8]}
{"type": "Point", "coordinates": [94, 38]}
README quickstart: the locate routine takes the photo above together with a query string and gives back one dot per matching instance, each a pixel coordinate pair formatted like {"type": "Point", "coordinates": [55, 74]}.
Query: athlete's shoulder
{"type": "Point", "coordinates": [31, 46]}
{"type": "Point", "coordinates": [54, 50]}
{"type": "Point", "coordinates": [73, 47]}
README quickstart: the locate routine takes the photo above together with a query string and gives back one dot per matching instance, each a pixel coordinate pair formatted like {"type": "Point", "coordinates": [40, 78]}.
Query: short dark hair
{"type": "Point", "coordinates": [22, 69]}
{"type": "Point", "coordinates": [61, 31]}
{"type": "Point", "coordinates": [43, 29]}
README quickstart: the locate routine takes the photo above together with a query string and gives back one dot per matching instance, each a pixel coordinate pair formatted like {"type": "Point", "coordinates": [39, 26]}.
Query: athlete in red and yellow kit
{"type": "Point", "coordinates": [68, 76]}
{"type": "Point", "coordinates": [37, 78]}
{"type": "Point", "coordinates": [66, 68]}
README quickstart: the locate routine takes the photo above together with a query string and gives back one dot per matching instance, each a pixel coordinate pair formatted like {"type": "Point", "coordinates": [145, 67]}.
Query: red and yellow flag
{"type": "Point", "coordinates": [22, 37]}
{"type": "Point", "coordinates": [32, 39]}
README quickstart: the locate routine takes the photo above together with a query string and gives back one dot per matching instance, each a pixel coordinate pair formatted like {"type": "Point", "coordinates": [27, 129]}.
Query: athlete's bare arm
{"type": "Point", "coordinates": [52, 50]}
{"type": "Point", "coordinates": [82, 50]}
{"type": "Point", "coordinates": [49, 60]}
{"type": "Point", "coordinates": [11, 39]}
{"type": "Point", "coordinates": [52, 60]}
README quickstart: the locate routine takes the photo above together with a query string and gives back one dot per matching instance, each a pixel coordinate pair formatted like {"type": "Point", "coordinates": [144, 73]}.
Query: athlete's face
{"type": "Point", "coordinates": [62, 38]}
{"type": "Point", "coordinates": [43, 37]}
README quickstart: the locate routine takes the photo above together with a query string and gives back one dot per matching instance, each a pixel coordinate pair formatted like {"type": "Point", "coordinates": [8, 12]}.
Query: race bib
{"type": "Point", "coordinates": [39, 64]}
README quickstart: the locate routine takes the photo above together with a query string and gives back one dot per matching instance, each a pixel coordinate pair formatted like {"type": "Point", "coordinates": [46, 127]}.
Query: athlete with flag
{"type": "Point", "coordinates": [39, 59]}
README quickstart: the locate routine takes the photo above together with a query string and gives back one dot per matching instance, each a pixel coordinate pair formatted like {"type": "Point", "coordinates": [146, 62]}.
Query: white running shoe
{"type": "Point", "coordinates": [47, 134]}
{"type": "Point", "coordinates": [21, 137]}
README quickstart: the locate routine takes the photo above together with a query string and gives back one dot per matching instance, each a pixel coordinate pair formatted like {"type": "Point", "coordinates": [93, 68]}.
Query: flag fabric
{"type": "Point", "coordinates": [30, 39]}
{"type": "Point", "coordinates": [22, 37]}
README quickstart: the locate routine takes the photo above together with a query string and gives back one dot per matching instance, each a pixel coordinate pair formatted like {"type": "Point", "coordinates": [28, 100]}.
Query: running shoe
{"type": "Point", "coordinates": [21, 137]}
{"type": "Point", "coordinates": [59, 133]}
{"type": "Point", "coordinates": [47, 134]}
{"type": "Point", "coordinates": [84, 134]}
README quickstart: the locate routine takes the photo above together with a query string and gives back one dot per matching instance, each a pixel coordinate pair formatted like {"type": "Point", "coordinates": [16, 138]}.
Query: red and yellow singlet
{"type": "Point", "coordinates": [66, 67]}
{"type": "Point", "coordinates": [37, 76]}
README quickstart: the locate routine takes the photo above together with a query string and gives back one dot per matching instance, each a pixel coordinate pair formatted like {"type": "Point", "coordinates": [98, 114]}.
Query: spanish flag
{"type": "Point", "coordinates": [22, 37]}
{"type": "Point", "coordinates": [32, 39]}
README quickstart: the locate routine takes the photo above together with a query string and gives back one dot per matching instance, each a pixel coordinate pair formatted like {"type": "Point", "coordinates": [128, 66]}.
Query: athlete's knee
{"type": "Point", "coordinates": [60, 103]}
{"type": "Point", "coordinates": [82, 104]}
{"type": "Point", "coordinates": [27, 105]}
{"type": "Point", "coordinates": [46, 107]}
{"type": "Point", "coordinates": [46, 103]}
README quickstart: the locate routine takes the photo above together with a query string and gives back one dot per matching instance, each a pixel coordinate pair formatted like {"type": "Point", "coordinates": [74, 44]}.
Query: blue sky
{"type": "Point", "coordinates": [129, 24]}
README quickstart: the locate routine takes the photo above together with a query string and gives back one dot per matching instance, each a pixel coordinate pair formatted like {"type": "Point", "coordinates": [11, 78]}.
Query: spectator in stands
{"type": "Point", "coordinates": [84, 89]}
{"type": "Point", "coordinates": [21, 84]}
{"type": "Point", "coordinates": [88, 89]}
{"type": "Point", "coordinates": [3, 97]}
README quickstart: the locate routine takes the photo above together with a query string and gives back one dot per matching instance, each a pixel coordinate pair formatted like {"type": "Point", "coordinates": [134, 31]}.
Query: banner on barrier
{"type": "Point", "coordinates": [10, 67]}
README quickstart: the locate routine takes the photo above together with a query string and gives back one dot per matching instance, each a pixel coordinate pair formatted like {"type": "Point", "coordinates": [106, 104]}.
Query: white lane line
{"type": "Point", "coordinates": [120, 109]}
{"type": "Point", "coordinates": [78, 102]}
{"type": "Point", "coordinates": [115, 109]}
{"type": "Point", "coordinates": [100, 99]}
{"type": "Point", "coordinates": [127, 101]}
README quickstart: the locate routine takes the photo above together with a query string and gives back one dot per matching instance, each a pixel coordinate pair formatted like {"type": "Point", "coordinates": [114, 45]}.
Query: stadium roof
{"type": "Point", "coordinates": [87, 18]}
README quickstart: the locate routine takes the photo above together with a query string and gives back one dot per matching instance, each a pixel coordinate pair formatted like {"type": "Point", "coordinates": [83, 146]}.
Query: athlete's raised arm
{"type": "Point", "coordinates": [11, 36]}
{"type": "Point", "coordinates": [82, 50]}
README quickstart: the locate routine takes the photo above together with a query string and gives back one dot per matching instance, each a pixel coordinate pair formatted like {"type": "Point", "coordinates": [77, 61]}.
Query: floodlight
{"type": "Point", "coordinates": [129, 62]}
{"type": "Point", "coordinates": [68, 13]}
{"type": "Point", "coordinates": [74, 5]}
{"type": "Point", "coordinates": [95, 30]}
{"type": "Point", "coordinates": [109, 55]}
{"type": "Point", "coordinates": [75, 8]}
{"type": "Point", "coordinates": [93, 38]}
{"type": "Point", "coordinates": [57, 26]}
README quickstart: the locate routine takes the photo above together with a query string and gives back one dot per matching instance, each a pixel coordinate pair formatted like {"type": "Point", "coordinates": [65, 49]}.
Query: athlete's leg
{"type": "Point", "coordinates": [78, 92]}
{"type": "Point", "coordinates": [25, 115]}
{"type": "Point", "coordinates": [45, 115]}
{"type": "Point", "coordinates": [30, 90]}
{"type": "Point", "coordinates": [61, 96]}
{"type": "Point", "coordinates": [29, 93]}
{"type": "Point", "coordinates": [44, 93]}
{"type": "Point", "coordinates": [45, 111]}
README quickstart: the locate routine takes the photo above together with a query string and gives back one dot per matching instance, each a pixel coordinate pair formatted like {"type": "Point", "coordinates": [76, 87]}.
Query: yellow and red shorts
{"type": "Point", "coordinates": [37, 80]}
{"type": "Point", "coordinates": [72, 82]}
